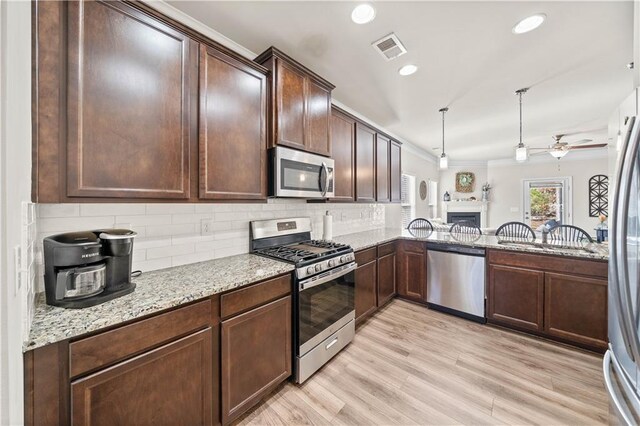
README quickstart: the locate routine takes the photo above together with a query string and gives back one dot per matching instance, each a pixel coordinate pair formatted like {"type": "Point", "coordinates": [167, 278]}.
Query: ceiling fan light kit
{"type": "Point", "coordinates": [444, 161]}
{"type": "Point", "coordinates": [558, 153]}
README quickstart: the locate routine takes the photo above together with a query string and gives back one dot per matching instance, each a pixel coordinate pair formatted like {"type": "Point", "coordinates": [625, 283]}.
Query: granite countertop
{"type": "Point", "coordinates": [366, 239]}
{"type": "Point", "coordinates": [155, 291]}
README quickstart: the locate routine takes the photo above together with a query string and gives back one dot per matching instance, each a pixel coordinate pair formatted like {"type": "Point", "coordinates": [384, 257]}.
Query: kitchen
{"type": "Point", "coordinates": [243, 243]}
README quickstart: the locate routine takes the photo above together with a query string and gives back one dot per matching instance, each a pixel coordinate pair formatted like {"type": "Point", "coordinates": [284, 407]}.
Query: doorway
{"type": "Point", "coordinates": [547, 199]}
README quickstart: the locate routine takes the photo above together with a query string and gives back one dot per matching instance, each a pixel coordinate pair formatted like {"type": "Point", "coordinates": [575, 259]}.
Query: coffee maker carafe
{"type": "Point", "coordinates": [88, 268]}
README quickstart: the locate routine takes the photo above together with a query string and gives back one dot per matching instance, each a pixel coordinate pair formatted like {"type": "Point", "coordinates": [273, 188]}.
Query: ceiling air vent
{"type": "Point", "coordinates": [389, 46]}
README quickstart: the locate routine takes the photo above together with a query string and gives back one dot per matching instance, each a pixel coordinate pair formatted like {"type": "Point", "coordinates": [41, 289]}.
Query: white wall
{"type": "Point", "coordinates": [15, 167]}
{"type": "Point", "coordinates": [506, 182]}
{"type": "Point", "coordinates": [424, 168]}
{"type": "Point", "coordinates": [448, 181]}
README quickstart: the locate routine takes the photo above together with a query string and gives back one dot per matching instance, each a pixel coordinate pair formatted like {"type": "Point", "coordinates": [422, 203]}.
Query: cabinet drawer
{"type": "Point", "coordinates": [568, 265]}
{"type": "Point", "coordinates": [414, 246]}
{"type": "Point", "coordinates": [247, 298]}
{"type": "Point", "coordinates": [115, 345]}
{"type": "Point", "coordinates": [365, 256]}
{"type": "Point", "coordinates": [385, 249]}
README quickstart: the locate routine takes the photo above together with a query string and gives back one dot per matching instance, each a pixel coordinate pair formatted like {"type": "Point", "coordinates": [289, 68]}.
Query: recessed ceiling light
{"type": "Point", "coordinates": [529, 24]}
{"type": "Point", "coordinates": [363, 13]}
{"type": "Point", "coordinates": [407, 69]}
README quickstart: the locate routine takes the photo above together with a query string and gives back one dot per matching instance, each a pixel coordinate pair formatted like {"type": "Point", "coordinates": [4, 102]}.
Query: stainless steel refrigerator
{"type": "Point", "coordinates": [621, 364]}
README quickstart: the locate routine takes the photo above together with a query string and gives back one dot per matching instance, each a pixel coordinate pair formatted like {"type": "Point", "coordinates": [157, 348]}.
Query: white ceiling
{"type": "Point", "coordinates": [468, 60]}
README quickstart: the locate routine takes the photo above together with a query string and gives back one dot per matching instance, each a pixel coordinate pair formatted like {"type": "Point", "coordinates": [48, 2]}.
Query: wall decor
{"type": "Point", "coordinates": [598, 196]}
{"type": "Point", "coordinates": [465, 181]}
{"type": "Point", "coordinates": [423, 190]}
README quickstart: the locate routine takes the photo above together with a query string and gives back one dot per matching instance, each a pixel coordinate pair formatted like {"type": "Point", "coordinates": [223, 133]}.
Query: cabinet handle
{"type": "Point", "coordinates": [333, 342]}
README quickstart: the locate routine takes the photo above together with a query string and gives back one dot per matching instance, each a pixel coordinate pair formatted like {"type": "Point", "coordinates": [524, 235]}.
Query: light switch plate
{"type": "Point", "coordinates": [515, 209]}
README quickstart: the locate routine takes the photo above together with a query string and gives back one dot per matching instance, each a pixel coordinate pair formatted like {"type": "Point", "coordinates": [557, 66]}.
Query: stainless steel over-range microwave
{"type": "Point", "coordinates": [300, 174]}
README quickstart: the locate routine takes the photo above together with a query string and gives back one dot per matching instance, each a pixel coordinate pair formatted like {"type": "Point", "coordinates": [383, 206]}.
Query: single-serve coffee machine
{"type": "Point", "coordinates": [87, 268]}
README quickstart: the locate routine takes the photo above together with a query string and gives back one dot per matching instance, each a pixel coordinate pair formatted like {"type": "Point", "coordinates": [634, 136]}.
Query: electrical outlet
{"type": "Point", "coordinates": [206, 227]}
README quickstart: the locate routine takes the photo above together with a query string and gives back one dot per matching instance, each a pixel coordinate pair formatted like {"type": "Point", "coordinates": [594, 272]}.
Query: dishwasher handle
{"type": "Point", "coordinates": [453, 248]}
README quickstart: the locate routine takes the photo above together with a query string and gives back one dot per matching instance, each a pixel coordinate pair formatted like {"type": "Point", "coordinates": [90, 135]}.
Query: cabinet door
{"type": "Point", "coordinates": [516, 297]}
{"type": "Point", "coordinates": [168, 385]}
{"type": "Point", "coordinates": [365, 300]}
{"type": "Point", "coordinates": [396, 171]}
{"type": "Point", "coordinates": [343, 148]}
{"type": "Point", "coordinates": [386, 278]}
{"type": "Point", "coordinates": [365, 163]}
{"type": "Point", "coordinates": [291, 105]}
{"type": "Point", "coordinates": [318, 115]}
{"type": "Point", "coordinates": [383, 193]}
{"type": "Point", "coordinates": [412, 270]}
{"type": "Point", "coordinates": [256, 356]}
{"type": "Point", "coordinates": [575, 309]}
{"type": "Point", "coordinates": [131, 80]}
{"type": "Point", "coordinates": [233, 143]}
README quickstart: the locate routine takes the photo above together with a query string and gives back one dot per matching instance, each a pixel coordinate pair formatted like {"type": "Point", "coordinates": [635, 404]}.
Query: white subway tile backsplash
{"type": "Point", "coordinates": [102, 209]}
{"type": "Point", "coordinates": [169, 234]}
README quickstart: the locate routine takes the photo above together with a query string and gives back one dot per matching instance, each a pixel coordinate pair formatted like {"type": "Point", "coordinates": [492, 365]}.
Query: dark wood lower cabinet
{"type": "Point", "coordinates": [516, 297]}
{"type": "Point", "coordinates": [366, 280]}
{"type": "Point", "coordinates": [168, 385]}
{"type": "Point", "coordinates": [552, 296]}
{"type": "Point", "coordinates": [386, 278]}
{"type": "Point", "coordinates": [412, 271]}
{"type": "Point", "coordinates": [256, 356]}
{"type": "Point", "coordinates": [576, 309]}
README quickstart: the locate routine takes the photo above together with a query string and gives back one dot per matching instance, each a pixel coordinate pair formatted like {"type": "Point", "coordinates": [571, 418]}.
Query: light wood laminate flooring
{"type": "Point", "coordinates": [412, 365]}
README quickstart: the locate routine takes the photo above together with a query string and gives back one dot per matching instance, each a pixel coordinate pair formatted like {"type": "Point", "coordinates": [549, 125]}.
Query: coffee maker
{"type": "Point", "coordinates": [87, 268]}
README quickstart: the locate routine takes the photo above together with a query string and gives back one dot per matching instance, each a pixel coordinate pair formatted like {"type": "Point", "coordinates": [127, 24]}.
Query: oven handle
{"type": "Point", "coordinates": [305, 285]}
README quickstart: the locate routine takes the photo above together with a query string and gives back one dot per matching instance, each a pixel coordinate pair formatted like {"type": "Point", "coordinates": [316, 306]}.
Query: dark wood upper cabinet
{"type": "Point", "coordinates": [575, 309]}
{"type": "Point", "coordinates": [343, 148]}
{"type": "Point", "coordinates": [365, 163]}
{"type": "Point", "coordinates": [396, 171]}
{"type": "Point", "coordinates": [256, 356]}
{"type": "Point", "coordinates": [516, 297]}
{"type": "Point", "coordinates": [168, 385]}
{"type": "Point", "coordinates": [412, 270]}
{"type": "Point", "coordinates": [383, 167]}
{"type": "Point", "coordinates": [300, 104]}
{"type": "Point", "coordinates": [233, 136]}
{"type": "Point", "coordinates": [130, 85]}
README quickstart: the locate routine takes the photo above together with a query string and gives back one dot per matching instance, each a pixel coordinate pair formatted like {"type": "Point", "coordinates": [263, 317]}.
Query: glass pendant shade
{"type": "Point", "coordinates": [558, 153]}
{"type": "Point", "coordinates": [521, 153]}
{"type": "Point", "coordinates": [444, 162]}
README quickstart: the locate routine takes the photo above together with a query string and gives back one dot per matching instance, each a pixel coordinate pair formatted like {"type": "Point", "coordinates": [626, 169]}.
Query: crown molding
{"type": "Point", "coordinates": [169, 10]}
{"type": "Point", "coordinates": [570, 157]}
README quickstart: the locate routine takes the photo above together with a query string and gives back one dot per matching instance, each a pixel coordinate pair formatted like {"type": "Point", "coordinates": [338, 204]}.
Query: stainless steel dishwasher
{"type": "Point", "coordinates": [456, 280]}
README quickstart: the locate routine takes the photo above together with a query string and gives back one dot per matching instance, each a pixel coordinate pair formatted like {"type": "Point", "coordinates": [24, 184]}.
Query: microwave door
{"type": "Point", "coordinates": [300, 179]}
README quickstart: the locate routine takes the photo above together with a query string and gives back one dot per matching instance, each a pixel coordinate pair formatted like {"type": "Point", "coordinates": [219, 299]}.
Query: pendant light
{"type": "Point", "coordinates": [521, 150]}
{"type": "Point", "coordinates": [444, 161]}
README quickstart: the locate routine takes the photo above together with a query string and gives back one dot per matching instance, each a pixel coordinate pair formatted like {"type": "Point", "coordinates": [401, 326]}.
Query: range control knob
{"type": "Point", "coordinates": [318, 267]}
{"type": "Point", "coordinates": [332, 263]}
{"type": "Point", "coordinates": [310, 270]}
{"type": "Point", "coordinates": [343, 259]}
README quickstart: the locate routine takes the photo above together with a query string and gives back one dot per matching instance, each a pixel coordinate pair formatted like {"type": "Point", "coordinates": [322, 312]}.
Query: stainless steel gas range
{"type": "Point", "coordinates": [324, 287]}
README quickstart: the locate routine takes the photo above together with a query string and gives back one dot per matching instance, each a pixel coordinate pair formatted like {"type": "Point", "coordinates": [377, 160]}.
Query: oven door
{"type": "Point", "coordinates": [325, 304]}
{"type": "Point", "coordinates": [300, 174]}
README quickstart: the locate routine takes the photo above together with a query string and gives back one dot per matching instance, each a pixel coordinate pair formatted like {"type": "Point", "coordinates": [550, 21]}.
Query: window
{"type": "Point", "coordinates": [546, 200]}
{"type": "Point", "coordinates": [408, 199]}
{"type": "Point", "coordinates": [433, 198]}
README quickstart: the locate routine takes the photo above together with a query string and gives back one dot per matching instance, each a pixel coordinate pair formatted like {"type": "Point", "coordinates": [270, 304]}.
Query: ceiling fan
{"type": "Point", "coordinates": [560, 148]}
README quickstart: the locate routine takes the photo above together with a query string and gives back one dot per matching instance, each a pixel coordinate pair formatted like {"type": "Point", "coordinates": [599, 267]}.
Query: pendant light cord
{"type": "Point", "coordinates": [443, 110]}
{"type": "Point", "coordinates": [521, 92]}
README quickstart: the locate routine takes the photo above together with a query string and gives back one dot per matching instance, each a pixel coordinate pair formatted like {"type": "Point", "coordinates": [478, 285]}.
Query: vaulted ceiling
{"type": "Point", "coordinates": [468, 59]}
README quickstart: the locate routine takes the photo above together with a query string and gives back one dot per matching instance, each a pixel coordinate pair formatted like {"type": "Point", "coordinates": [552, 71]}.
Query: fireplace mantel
{"type": "Point", "coordinates": [481, 207]}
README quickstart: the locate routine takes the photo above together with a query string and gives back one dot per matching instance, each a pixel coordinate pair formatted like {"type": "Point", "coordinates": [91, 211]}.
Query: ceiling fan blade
{"type": "Point", "coordinates": [581, 141]}
{"type": "Point", "coordinates": [535, 154]}
{"type": "Point", "coordinates": [595, 145]}
{"type": "Point", "coordinates": [539, 149]}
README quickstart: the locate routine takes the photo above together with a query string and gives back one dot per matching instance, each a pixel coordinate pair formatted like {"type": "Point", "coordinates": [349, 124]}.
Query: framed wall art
{"type": "Point", "coordinates": [465, 182]}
